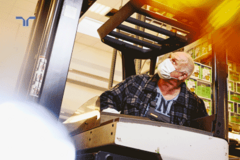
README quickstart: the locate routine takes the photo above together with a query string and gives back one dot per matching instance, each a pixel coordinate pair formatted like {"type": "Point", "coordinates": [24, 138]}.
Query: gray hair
{"type": "Point", "coordinates": [189, 67]}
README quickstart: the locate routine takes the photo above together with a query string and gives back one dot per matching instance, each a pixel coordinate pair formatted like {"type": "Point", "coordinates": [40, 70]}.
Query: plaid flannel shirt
{"type": "Point", "coordinates": [133, 95]}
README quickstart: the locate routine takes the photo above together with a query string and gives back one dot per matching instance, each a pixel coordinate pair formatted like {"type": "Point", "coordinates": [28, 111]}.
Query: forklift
{"type": "Point", "coordinates": [110, 136]}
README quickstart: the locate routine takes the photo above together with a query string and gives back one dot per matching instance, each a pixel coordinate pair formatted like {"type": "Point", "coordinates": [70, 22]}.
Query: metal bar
{"type": "Point", "coordinates": [137, 52]}
{"type": "Point", "coordinates": [128, 65]}
{"type": "Point", "coordinates": [169, 21]}
{"type": "Point", "coordinates": [87, 85]}
{"type": "Point", "coordinates": [48, 36]}
{"type": "Point", "coordinates": [112, 69]}
{"type": "Point", "coordinates": [214, 83]}
{"type": "Point", "coordinates": [140, 33]}
{"type": "Point", "coordinates": [123, 67]}
{"type": "Point", "coordinates": [138, 62]}
{"type": "Point", "coordinates": [176, 11]}
{"type": "Point", "coordinates": [154, 28]}
{"type": "Point", "coordinates": [152, 65]}
{"type": "Point", "coordinates": [49, 28]}
{"type": "Point", "coordinates": [125, 12]}
{"type": "Point", "coordinates": [55, 81]}
{"type": "Point", "coordinates": [134, 40]}
{"type": "Point", "coordinates": [138, 17]}
{"type": "Point", "coordinates": [221, 127]}
{"type": "Point", "coordinates": [90, 75]}
{"type": "Point", "coordinates": [142, 66]}
{"type": "Point", "coordinates": [27, 68]}
{"type": "Point", "coordinates": [120, 45]}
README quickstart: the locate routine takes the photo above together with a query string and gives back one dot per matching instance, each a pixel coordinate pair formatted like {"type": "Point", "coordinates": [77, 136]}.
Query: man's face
{"type": "Point", "coordinates": [179, 61]}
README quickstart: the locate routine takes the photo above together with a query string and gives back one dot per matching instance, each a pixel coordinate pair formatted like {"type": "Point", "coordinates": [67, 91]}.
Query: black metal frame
{"type": "Point", "coordinates": [53, 38]}
{"type": "Point", "coordinates": [131, 52]}
{"type": "Point", "coordinates": [56, 76]}
{"type": "Point", "coordinates": [220, 74]}
{"type": "Point", "coordinates": [116, 152]}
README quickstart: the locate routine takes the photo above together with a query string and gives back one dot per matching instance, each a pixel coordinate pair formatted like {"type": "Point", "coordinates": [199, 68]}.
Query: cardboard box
{"type": "Point", "coordinates": [233, 118]}
{"type": "Point", "coordinates": [233, 76]}
{"type": "Point", "coordinates": [238, 109]}
{"type": "Point", "coordinates": [238, 87]}
{"type": "Point", "coordinates": [203, 89]}
{"type": "Point", "coordinates": [230, 107]}
{"type": "Point", "coordinates": [199, 89]}
{"type": "Point", "coordinates": [231, 66]}
{"type": "Point", "coordinates": [198, 51]}
{"type": "Point", "coordinates": [235, 107]}
{"type": "Point", "coordinates": [234, 97]}
{"type": "Point", "coordinates": [191, 84]}
{"type": "Point", "coordinates": [206, 90]}
{"type": "Point", "coordinates": [205, 48]}
{"type": "Point", "coordinates": [196, 71]}
{"type": "Point", "coordinates": [191, 52]}
{"type": "Point", "coordinates": [206, 73]}
{"type": "Point", "coordinates": [237, 118]}
{"type": "Point", "coordinates": [208, 105]}
{"type": "Point", "coordinates": [232, 86]}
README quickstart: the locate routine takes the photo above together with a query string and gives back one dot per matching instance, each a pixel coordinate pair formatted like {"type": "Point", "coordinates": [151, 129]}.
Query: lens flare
{"type": "Point", "coordinates": [28, 131]}
{"type": "Point", "coordinates": [224, 13]}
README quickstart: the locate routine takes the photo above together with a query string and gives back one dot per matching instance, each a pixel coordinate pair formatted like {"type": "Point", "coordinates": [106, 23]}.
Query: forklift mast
{"type": "Point", "coordinates": [43, 74]}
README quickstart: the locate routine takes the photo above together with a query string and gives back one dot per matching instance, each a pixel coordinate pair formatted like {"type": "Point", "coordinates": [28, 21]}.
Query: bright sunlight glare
{"type": "Point", "coordinates": [30, 132]}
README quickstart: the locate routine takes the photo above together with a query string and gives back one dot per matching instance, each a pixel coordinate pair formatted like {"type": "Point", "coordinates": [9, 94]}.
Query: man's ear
{"type": "Point", "coordinates": [182, 77]}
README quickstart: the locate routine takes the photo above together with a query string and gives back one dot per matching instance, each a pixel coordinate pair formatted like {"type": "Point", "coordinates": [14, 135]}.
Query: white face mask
{"type": "Point", "coordinates": [165, 68]}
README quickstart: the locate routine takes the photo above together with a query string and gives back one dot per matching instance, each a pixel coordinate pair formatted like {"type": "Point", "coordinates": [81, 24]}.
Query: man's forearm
{"type": "Point", "coordinates": [107, 101]}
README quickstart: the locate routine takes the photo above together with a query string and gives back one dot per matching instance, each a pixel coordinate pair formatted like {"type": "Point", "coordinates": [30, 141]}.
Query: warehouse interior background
{"type": "Point", "coordinates": [90, 65]}
{"type": "Point", "coordinates": [91, 59]}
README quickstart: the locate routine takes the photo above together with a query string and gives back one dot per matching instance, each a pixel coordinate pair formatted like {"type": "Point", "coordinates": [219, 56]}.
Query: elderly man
{"type": "Point", "coordinates": [163, 97]}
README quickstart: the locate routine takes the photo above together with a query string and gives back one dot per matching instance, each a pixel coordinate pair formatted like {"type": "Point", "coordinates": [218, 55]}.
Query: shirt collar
{"type": "Point", "coordinates": [151, 84]}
